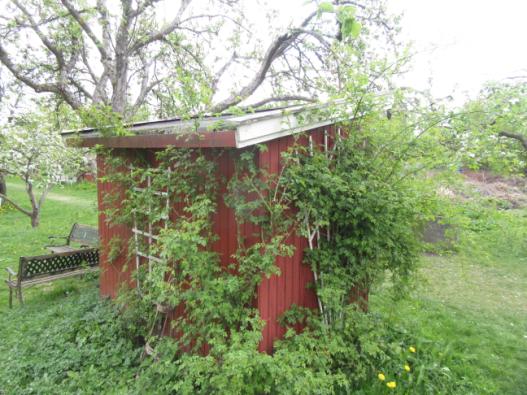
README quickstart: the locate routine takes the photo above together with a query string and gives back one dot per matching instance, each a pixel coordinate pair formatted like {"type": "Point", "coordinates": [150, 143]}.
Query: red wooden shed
{"type": "Point", "coordinates": [274, 128]}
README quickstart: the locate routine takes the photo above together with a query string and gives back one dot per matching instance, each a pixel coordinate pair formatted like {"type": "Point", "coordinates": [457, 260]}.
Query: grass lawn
{"type": "Point", "coordinates": [63, 207]}
{"type": "Point", "coordinates": [476, 316]}
{"type": "Point", "coordinates": [472, 311]}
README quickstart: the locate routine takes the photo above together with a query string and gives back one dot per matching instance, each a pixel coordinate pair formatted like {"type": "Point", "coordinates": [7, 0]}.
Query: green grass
{"type": "Point", "coordinates": [486, 341]}
{"type": "Point", "coordinates": [64, 206]}
{"type": "Point", "coordinates": [473, 305]}
{"type": "Point", "coordinates": [470, 309]}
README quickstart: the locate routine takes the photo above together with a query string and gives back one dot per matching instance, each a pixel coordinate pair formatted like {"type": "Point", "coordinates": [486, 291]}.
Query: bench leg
{"type": "Point", "coordinates": [20, 298]}
{"type": "Point", "coordinates": [10, 297]}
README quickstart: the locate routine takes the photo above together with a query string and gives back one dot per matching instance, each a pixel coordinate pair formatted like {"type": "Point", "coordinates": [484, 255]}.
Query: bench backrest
{"type": "Point", "coordinates": [84, 234]}
{"type": "Point", "coordinates": [36, 266]}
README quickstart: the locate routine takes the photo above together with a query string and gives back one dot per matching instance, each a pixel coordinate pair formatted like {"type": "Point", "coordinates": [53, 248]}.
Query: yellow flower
{"type": "Point", "coordinates": [391, 384]}
{"type": "Point", "coordinates": [411, 349]}
{"type": "Point", "coordinates": [381, 377]}
{"type": "Point", "coordinates": [407, 367]}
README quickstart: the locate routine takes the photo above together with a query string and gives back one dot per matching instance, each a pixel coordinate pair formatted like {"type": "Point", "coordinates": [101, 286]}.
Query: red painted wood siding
{"type": "Point", "coordinates": [116, 272]}
{"type": "Point", "coordinates": [275, 295]}
{"type": "Point", "coordinates": [278, 293]}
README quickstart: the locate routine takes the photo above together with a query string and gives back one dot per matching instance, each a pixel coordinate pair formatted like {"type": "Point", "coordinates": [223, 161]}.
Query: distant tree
{"type": "Point", "coordinates": [3, 187]}
{"type": "Point", "coordinates": [203, 56]}
{"type": "Point", "coordinates": [32, 150]}
{"type": "Point", "coordinates": [11, 92]}
{"type": "Point", "coordinates": [507, 103]}
{"type": "Point", "coordinates": [492, 129]}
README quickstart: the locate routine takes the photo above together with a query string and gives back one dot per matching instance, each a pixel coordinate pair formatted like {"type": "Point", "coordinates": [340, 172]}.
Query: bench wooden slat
{"type": "Point", "coordinates": [60, 249]}
{"type": "Point", "coordinates": [11, 283]}
{"type": "Point", "coordinates": [48, 279]}
{"type": "Point", "coordinates": [84, 234]}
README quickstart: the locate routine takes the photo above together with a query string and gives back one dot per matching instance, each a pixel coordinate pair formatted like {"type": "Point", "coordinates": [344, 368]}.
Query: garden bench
{"type": "Point", "coordinates": [40, 269]}
{"type": "Point", "coordinates": [83, 235]}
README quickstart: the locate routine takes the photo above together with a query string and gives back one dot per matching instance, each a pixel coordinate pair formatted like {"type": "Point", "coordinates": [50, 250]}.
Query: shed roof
{"type": "Point", "coordinates": [227, 130]}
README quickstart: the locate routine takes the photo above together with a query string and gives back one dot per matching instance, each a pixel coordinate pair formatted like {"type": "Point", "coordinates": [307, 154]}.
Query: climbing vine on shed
{"type": "Point", "coordinates": [188, 276]}
{"type": "Point", "coordinates": [359, 216]}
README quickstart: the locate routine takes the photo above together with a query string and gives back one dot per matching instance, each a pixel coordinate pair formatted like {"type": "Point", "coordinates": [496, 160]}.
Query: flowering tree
{"type": "Point", "coordinates": [32, 150]}
{"type": "Point", "coordinates": [491, 132]}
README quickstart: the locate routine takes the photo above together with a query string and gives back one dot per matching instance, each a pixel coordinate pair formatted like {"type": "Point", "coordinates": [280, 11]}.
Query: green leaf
{"type": "Point", "coordinates": [346, 12]}
{"type": "Point", "coordinates": [326, 7]}
{"type": "Point", "coordinates": [356, 27]}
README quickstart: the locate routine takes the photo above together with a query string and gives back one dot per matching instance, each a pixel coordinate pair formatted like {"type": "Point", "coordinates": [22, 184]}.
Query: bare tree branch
{"type": "Point", "coordinates": [19, 208]}
{"type": "Point", "coordinates": [36, 86]}
{"type": "Point", "coordinates": [81, 89]}
{"type": "Point", "coordinates": [87, 29]}
{"type": "Point", "coordinates": [275, 50]}
{"type": "Point", "coordinates": [43, 196]}
{"type": "Point", "coordinates": [35, 27]}
{"type": "Point", "coordinates": [163, 32]}
{"type": "Point", "coordinates": [213, 16]}
{"type": "Point", "coordinates": [142, 7]}
{"type": "Point", "coordinates": [144, 93]}
{"type": "Point", "coordinates": [222, 70]}
{"type": "Point", "coordinates": [282, 98]}
{"type": "Point", "coordinates": [84, 57]}
{"type": "Point", "coordinates": [516, 136]}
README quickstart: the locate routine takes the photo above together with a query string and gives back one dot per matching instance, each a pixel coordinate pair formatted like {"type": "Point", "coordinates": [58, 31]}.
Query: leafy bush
{"type": "Point", "coordinates": [82, 345]}
{"type": "Point", "coordinates": [318, 360]}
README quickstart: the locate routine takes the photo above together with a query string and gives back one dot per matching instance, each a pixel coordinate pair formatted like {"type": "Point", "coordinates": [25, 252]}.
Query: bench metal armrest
{"type": "Point", "coordinates": [56, 237]}
{"type": "Point", "coordinates": [10, 273]}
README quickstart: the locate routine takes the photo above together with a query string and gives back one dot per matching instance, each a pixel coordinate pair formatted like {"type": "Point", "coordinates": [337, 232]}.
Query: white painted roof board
{"type": "Point", "coordinates": [250, 129]}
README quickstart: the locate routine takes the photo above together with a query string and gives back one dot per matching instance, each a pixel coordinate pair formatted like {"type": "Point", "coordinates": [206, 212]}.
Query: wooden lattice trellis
{"type": "Point", "coordinates": [147, 232]}
{"type": "Point", "coordinates": [313, 235]}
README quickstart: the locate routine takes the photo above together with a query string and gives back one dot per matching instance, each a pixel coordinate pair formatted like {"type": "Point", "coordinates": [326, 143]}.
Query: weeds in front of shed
{"type": "Point", "coordinates": [80, 344]}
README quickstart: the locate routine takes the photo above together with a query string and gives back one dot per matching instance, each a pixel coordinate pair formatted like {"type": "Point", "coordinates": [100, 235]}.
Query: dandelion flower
{"type": "Point", "coordinates": [391, 384]}
{"type": "Point", "coordinates": [381, 377]}
{"type": "Point", "coordinates": [407, 367]}
{"type": "Point", "coordinates": [411, 349]}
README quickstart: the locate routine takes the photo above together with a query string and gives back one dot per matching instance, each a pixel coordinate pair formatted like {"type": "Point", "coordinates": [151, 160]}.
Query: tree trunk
{"type": "Point", "coordinates": [3, 188]}
{"type": "Point", "coordinates": [34, 214]}
{"type": "Point", "coordinates": [35, 218]}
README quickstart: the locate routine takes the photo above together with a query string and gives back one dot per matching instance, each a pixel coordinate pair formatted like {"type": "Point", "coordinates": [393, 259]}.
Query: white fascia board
{"type": "Point", "coordinates": [270, 129]}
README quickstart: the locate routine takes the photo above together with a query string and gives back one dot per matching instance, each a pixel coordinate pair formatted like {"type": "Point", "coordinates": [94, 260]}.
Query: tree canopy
{"type": "Point", "coordinates": [491, 130]}
{"type": "Point", "coordinates": [32, 150]}
{"type": "Point", "coordinates": [201, 56]}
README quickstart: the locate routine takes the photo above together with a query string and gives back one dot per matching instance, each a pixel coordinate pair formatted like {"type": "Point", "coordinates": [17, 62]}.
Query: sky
{"type": "Point", "coordinates": [461, 44]}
